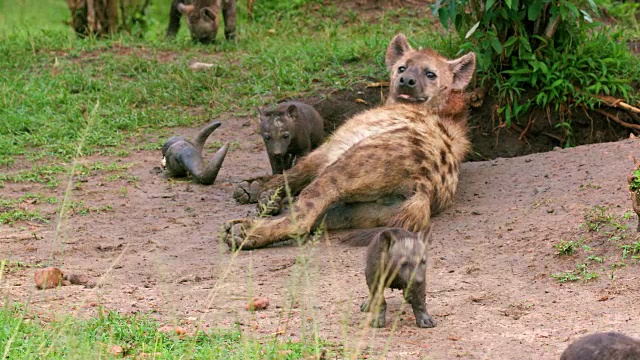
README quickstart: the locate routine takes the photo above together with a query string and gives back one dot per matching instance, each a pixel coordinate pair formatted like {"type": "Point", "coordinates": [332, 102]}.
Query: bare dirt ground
{"type": "Point", "coordinates": [489, 286]}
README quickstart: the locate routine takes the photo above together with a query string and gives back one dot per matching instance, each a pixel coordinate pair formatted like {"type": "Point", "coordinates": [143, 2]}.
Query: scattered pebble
{"type": "Point", "coordinates": [257, 304]}
{"type": "Point", "coordinates": [48, 278]}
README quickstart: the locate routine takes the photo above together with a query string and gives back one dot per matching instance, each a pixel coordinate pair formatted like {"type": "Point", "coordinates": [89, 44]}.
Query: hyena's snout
{"type": "Point", "coordinates": [407, 82]}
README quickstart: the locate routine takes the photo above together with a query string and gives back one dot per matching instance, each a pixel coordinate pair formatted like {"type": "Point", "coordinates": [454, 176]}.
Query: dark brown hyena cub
{"type": "Point", "coordinates": [603, 346]}
{"type": "Point", "coordinates": [203, 18]}
{"type": "Point", "coordinates": [290, 131]}
{"type": "Point", "coordinates": [397, 259]}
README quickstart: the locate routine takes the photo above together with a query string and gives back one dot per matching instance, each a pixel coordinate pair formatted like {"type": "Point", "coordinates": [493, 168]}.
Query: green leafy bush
{"type": "Point", "coordinates": [541, 53]}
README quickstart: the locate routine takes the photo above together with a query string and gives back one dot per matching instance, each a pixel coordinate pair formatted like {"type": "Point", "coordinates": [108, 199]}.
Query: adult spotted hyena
{"type": "Point", "coordinates": [391, 166]}
{"type": "Point", "coordinates": [203, 18]}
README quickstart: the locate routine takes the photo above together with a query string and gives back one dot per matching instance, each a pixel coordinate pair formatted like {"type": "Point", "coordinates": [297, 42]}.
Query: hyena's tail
{"type": "Point", "coordinates": [361, 237]}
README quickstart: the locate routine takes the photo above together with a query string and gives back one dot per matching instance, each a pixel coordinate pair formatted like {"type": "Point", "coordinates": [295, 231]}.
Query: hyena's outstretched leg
{"type": "Point", "coordinates": [341, 182]}
{"type": "Point", "coordinates": [299, 176]}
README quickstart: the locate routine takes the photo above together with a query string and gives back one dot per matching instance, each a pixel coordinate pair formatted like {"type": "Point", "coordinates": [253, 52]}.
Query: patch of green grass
{"type": "Point", "coordinates": [565, 247]}
{"type": "Point", "coordinates": [24, 336]}
{"type": "Point", "coordinates": [51, 79]}
{"type": "Point", "coordinates": [598, 219]}
{"type": "Point", "coordinates": [581, 272]}
{"type": "Point", "coordinates": [45, 174]}
{"type": "Point", "coordinates": [11, 210]}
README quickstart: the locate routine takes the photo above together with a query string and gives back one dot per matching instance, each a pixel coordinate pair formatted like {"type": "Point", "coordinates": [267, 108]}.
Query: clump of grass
{"type": "Point", "coordinates": [27, 337]}
{"type": "Point", "coordinates": [598, 218]}
{"type": "Point", "coordinates": [565, 247]}
{"type": "Point", "coordinates": [581, 272]}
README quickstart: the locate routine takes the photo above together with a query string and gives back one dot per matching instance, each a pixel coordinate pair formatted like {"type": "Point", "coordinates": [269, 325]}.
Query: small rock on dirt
{"type": "Point", "coordinates": [76, 279]}
{"type": "Point", "coordinates": [48, 278]}
{"type": "Point", "coordinates": [257, 304]}
{"type": "Point", "coordinates": [116, 350]}
{"type": "Point", "coordinates": [168, 329]}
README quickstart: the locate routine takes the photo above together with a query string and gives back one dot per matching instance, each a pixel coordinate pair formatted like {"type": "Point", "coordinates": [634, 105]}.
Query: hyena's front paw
{"type": "Point", "coordinates": [236, 234]}
{"type": "Point", "coordinates": [248, 192]}
{"type": "Point", "coordinates": [424, 320]}
{"type": "Point", "coordinates": [270, 203]}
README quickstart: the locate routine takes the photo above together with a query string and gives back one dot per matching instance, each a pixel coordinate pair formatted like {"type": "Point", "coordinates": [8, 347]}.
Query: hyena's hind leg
{"type": "Point", "coordinates": [363, 215]}
{"type": "Point", "coordinates": [174, 20]}
{"type": "Point", "coordinates": [229, 14]}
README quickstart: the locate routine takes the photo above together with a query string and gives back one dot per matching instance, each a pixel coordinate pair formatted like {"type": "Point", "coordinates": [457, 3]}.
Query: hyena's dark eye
{"type": "Point", "coordinates": [267, 137]}
{"type": "Point", "coordinates": [286, 136]}
{"type": "Point", "coordinates": [401, 69]}
{"type": "Point", "coordinates": [430, 74]}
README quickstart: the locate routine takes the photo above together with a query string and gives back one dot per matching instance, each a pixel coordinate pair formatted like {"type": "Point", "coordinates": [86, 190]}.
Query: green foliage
{"type": "Point", "coordinates": [599, 218]}
{"type": "Point", "coordinates": [635, 181]}
{"type": "Point", "coordinates": [24, 336]}
{"type": "Point", "coordinates": [566, 247]}
{"type": "Point", "coordinates": [50, 79]}
{"type": "Point", "coordinates": [542, 54]}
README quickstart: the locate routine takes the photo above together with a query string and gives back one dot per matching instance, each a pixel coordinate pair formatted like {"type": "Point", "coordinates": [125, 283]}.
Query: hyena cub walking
{"type": "Point", "coordinates": [290, 131]}
{"type": "Point", "coordinates": [397, 259]}
{"type": "Point", "coordinates": [391, 166]}
{"type": "Point", "coordinates": [203, 18]}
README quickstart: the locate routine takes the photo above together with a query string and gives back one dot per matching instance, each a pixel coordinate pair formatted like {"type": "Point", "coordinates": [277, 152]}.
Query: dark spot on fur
{"type": "Point", "coordinates": [443, 178]}
{"type": "Point", "coordinates": [422, 187]}
{"type": "Point", "coordinates": [444, 129]}
{"type": "Point", "coordinates": [312, 193]}
{"type": "Point", "coordinates": [447, 143]}
{"type": "Point", "coordinates": [333, 180]}
{"type": "Point", "coordinates": [425, 171]}
{"type": "Point", "coordinates": [419, 155]}
{"type": "Point", "coordinates": [416, 141]}
{"type": "Point", "coordinates": [436, 167]}
{"type": "Point", "coordinates": [309, 205]}
{"type": "Point", "coordinates": [443, 156]}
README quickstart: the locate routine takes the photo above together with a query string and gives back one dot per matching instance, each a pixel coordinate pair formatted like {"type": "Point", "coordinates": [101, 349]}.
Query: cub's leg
{"type": "Point", "coordinates": [415, 296]}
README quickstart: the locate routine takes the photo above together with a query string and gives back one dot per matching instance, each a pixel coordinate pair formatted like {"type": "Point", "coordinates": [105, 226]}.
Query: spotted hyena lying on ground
{"type": "Point", "coordinates": [391, 166]}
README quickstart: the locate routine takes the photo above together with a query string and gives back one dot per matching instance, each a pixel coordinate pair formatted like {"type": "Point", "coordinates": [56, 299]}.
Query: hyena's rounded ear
{"type": "Point", "coordinates": [462, 69]}
{"type": "Point", "coordinates": [292, 111]}
{"type": "Point", "coordinates": [206, 12]}
{"type": "Point", "coordinates": [397, 48]}
{"type": "Point", "coordinates": [185, 9]}
{"type": "Point", "coordinates": [389, 236]}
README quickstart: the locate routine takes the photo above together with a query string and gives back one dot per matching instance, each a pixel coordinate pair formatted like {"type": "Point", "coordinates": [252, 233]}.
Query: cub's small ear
{"type": "Point", "coordinates": [185, 9]}
{"type": "Point", "coordinates": [388, 237]}
{"type": "Point", "coordinates": [462, 69]}
{"type": "Point", "coordinates": [292, 111]}
{"type": "Point", "coordinates": [206, 12]}
{"type": "Point", "coordinates": [260, 111]}
{"type": "Point", "coordinates": [397, 48]}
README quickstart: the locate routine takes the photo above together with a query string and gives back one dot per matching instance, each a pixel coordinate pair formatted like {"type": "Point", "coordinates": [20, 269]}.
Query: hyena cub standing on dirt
{"type": "Point", "coordinates": [203, 18]}
{"type": "Point", "coordinates": [290, 131]}
{"type": "Point", "coordinates": [603, 346]}
{"type": "Point", "coordinates": [391, 166]}
{"type": "Point", "coordinates": [397, 259]}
